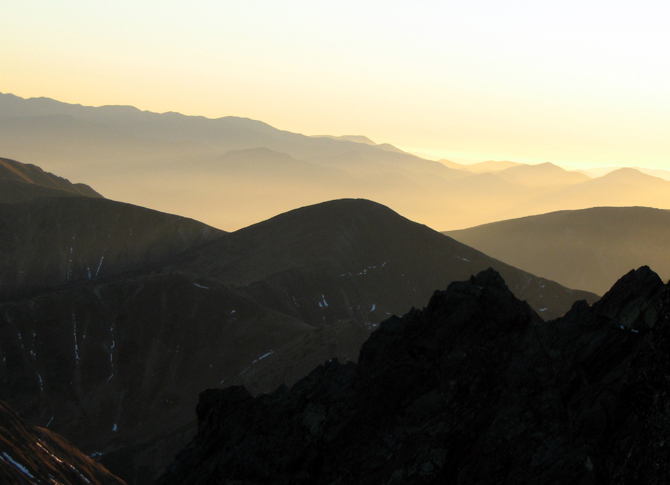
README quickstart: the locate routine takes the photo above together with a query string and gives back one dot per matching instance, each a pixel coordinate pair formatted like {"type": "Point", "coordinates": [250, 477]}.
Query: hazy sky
{"type": "Point", "coordinates": [572, 82]}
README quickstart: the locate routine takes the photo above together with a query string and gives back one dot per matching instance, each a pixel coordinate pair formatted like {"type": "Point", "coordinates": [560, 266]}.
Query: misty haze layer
{"type": "Point", "coordinates": [232, 172]}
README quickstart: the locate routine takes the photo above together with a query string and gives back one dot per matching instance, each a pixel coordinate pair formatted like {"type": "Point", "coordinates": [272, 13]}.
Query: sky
{"type": "Point", "coordinates": [577, 83]}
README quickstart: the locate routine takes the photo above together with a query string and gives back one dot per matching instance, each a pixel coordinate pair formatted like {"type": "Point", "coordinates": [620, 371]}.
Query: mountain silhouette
{"type": "Point", "coordinates": [473, 389]}
{"type": "Point", "coordinates": [198, 168]}
{"type": "Point", "coordinates": [144, 158]}
{"type": "Point", "coordinates": [623, 187]}
{"type": "Point", "coordinates": [123, 314]}
{"type": "Point", "coordinates": [57, 240]}
{"type": "Point", "coordinates": [580, 249]}
{"type": "Point", "coordinates": [356, 255]}
{"type": "Point", "coordinates": [20, 182]}
{"type": "Point", "coordinates": [365, 140]}
{"type": "Point", "coordinates": [114, 316]}
{"type": "Point", "coordinates": [542, 175]}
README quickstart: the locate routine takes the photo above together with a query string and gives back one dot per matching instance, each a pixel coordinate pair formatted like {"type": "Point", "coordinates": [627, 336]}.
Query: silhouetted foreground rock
{"type": "Point", "coordinates": [29, 454]}
{"type": "Point", "coordinates": [474, 388]}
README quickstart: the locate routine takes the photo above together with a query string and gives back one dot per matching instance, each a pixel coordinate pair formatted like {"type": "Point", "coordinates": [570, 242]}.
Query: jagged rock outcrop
{"type": "Point", "coordinates": [473, 389]}
{"type": "Point", "coordinates": [29, 455]}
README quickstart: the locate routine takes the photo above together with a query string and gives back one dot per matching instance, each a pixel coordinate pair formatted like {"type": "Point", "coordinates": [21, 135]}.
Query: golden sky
{"type": "Point", "coordinates": [578, 83]}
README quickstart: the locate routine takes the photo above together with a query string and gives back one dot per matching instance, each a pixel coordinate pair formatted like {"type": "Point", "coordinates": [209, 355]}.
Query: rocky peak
{"type": "Point", "coordinates": [633, 300]}
{"type": "Point", "coordinates": [474, 388]}
{"type": "Point", "coordinates": [481, 311]}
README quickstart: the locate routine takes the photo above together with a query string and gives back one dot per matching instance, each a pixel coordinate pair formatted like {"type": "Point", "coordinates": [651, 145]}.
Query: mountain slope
{"type": "Point", "coordinates": [29, 455]}
{"type": "Point", "coordinates": [352, 259]}
{"type": "Point", "coordinates": [20, 182]}
{"type": "Point", "coordinates": [124, 152]}
{"type": "Point", "coordinates": [580, 249]}
{"type": "Point", "coordinates": [473, 389]}
{"type": "Point", "coordinates": [120, 362]}
{"type": "Point", "coordinates": [211, 135]}
{"type": "Point", "coordinates": [113, 317]}
{"type": "Point", "coordinates": [57, 240]}
{"type": "Point", "coordinates": [621, 188]}
{"type": "Point", "coordinates": [363, 139]}
{"type": "Point", "coordinates": [492, 166]}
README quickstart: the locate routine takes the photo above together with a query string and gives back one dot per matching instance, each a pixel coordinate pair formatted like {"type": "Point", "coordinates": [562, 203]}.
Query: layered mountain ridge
{"type": "Point", "coordinates": [113, 317]}
{"type": "Point", "coordinates": [145, 158]}
{"type": "Point", "coordinates": [158, 307]}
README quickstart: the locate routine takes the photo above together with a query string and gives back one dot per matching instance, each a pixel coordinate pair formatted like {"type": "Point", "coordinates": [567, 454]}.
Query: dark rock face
{"type": "Point", "coordinates": [29, 455]}
{"type": "Point", "coordinates": [473, 389]}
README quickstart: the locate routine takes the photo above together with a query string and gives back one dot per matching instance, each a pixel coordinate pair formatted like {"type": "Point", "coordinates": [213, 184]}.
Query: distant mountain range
{"type": "Point", "coordinates": [231, 172]}
{"type": "Point", "coordinates": [600, 171]}
{"type": "Point", "coordinates": [481, 167]}
{"type": "Point", "coordinates": [583, 249]}
{"type": "Point", "coordinates": [113, 317]}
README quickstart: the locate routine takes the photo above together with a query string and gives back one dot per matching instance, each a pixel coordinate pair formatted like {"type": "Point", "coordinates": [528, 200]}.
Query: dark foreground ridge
{"type": "Point", "coordinates": [473, 389]}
